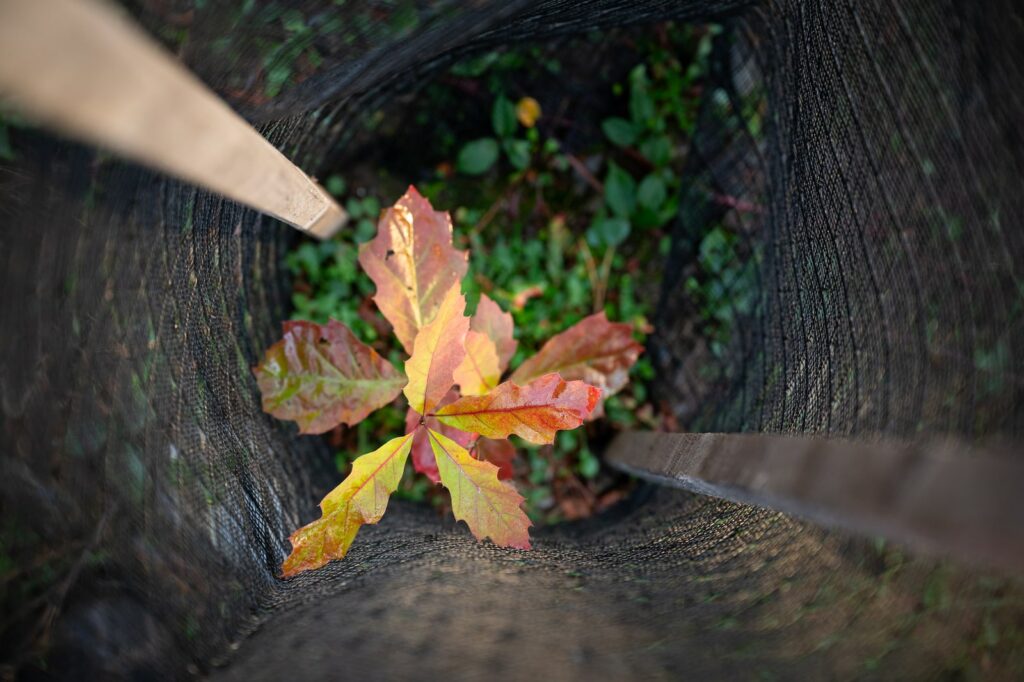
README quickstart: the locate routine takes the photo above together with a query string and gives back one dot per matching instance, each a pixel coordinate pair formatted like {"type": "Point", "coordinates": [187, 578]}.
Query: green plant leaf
{"type": "Point", "coordinates": [354, 208]}
{"type": "Point", "coordinates": [335, 185]}
{"type": "Point", "coordinates": [619, 131]}
{"type": "Point", "coordinates": [657, 150]}
{"type": "Point", "coordinates": [608, 231]}
{"type": "Point", "coordinates": [518, 152]}
{"type": "Point", "coordinates": [477, 157]}
{"type": "Point", "coordinates": [371, 207]}
{"type": "Point", "coordinates": [619, 191]}
{"type": "Point", "coordinates": [641, 104]}
{"type": "Point", "coordinates": [589, 465]}
{"type": "Point", "coordinates": [651, 193]}
{"type": "Point", "coordinates": [503, 117]}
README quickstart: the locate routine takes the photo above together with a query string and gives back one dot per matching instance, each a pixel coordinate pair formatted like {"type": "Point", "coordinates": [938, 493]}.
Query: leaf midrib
{"type": "Point", "coordinates": [548, 369]}
{"type": "Point", "coordinates": [480, 491]}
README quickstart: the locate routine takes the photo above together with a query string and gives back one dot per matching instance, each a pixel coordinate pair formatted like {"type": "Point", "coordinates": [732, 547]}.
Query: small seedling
{"type": "Point", "coordinates": [321, 376]}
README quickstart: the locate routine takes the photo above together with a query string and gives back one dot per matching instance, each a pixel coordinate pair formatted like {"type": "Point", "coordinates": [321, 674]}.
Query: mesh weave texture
{"type": "Point", "coordinates": [883, 216]}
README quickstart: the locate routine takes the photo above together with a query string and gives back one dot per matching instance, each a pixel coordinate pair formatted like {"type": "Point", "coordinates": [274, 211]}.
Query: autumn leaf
{"type": "Point", "coordinates": [479, 371]}
{"type": "Point", "coordinates": [523, 296]}
{"type": "Point", "coordinates": [422, 454]}
{"type": "Point", "coordinates": [500, 453]}
{"type": "Point", "coordinates": [413, 263]}
{"type": "Point", "coordinates": [534, 412]}
{"type": "Point", "coordinates": [490, 507]}
{"type": "Point", "coordinates": [322, 375]}
{"type": "Point", "coordinates": [437, 352]}
{"type": "Point", "coordinates": [489, 319]}
{"type": "Point", "coordinates": [527, 111]}
{"type": "Point", "coordinates": [360, 499]}
{"type": "Point", "coordinates": [594, 350]}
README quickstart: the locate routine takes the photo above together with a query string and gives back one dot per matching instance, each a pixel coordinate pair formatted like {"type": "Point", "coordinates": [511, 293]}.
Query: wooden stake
{"type": "Point", "coordinates": [940, 496]}
{"type": "Point", "coordinates": [81, 67]}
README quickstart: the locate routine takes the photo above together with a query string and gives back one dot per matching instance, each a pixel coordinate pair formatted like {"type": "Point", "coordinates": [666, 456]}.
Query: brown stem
{"type": "Point", "coordinates": [603, 275]}
{"type": "Point", "coordinates": [584, 172]}
{"type": "Point", "coordinates": [492, 210]}
{"type": "Point", "coordinates": [591, 265]}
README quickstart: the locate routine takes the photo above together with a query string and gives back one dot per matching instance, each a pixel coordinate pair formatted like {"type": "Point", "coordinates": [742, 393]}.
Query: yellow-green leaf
{"type": "Point", "coordinates": [490, 507]}
{"type": "Point", "coordinates": [413, 263]}
{"type": "Point", "coordinates": [438, 350]}
{"type": "Point", "coordinates": [360, 499]}
{"type": "Point", "coordinates": [490, 319]}
{"type": "Point", "coordinates": [479, 371]}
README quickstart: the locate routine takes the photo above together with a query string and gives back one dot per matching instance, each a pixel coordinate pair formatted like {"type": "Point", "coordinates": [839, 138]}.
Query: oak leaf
{"type": "Point", "coordinates": [322, 375]}
{"type": "Point", "coordinates": [413, 263]}
{"type": "Point", "coordinates": [438, 350]}
{"type": "Point", "coordinates": [593, 350]}
{"type": "Point", "coordinates": [490, 507]}
{"type": "Point", "coordinates": [360, 499]}
{"type": "Point", "coordinates": [479, 371]}
{"type": "Point", "coordinates": [491, 320]}
{"type": "Point", "coordinates": [534, 412]}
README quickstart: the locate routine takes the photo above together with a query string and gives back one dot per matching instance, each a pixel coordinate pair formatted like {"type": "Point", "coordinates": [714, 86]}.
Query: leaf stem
{"type": "Point", "coordinates": [591, 265]}
{"type": "Point", "coordinates": [598, 275]}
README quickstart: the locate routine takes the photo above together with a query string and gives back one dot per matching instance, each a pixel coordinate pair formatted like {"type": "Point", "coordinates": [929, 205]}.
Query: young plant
{"type": "Point", "coordinates": [477, 157]}
{"type": "Point", "coordinates": [321, 376]}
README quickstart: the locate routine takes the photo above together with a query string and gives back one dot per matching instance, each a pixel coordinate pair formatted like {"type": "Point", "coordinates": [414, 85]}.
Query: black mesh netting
{"type": "Point", "coordinates": [146, 500]}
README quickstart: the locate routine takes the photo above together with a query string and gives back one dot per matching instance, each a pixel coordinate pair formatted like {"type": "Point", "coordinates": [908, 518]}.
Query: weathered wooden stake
{"type": "Point", "coordinates": [81, 67]}
{"type": "Point", "coordinates": [940, 496]}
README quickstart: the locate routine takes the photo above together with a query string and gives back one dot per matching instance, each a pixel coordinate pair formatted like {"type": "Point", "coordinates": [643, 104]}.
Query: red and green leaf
{"type": "Point", "coordinates": [322, 375]}
{"type": "Point", "coordinates": [533, 412]}
{"type": "Point", "coordinates": [413, 263]}
{"type": "Point", "coordinates": [360, 499]}
{"type": "Point", "coordinates": [490, 507]}
{"type": "Point", "coordinates": [489, 319]}
{"type": "Point", "coordinates": [594, 350]}
{"type": "Point", "coordinates": [438, 350]}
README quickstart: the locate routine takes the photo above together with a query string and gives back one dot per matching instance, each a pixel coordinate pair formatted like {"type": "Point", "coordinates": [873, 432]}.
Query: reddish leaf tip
{"type": "Point", "coordinates": [593, 398]}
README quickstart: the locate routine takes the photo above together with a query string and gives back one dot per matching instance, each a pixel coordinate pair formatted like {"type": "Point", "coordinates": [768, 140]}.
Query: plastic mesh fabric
{"type": "Point", "coordinates": [882, 211]}
{"type": "Point", "coordinates": [882, 220]}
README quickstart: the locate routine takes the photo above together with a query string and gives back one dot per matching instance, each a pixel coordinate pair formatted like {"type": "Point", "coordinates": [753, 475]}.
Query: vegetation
{"type": "Point", "coordinates": [559, 223]}
{"type": "Point", "coordinates": [321, 376]}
